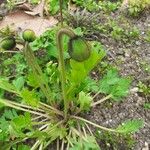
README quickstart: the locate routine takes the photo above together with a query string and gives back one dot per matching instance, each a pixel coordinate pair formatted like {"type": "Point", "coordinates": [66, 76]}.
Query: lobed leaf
{"type": "Point", "coordinates": [84, 101]}
{"type": "Point", "coordinates": [5, 85]}
{"type": "Point", "coordinates": [130, 126]}
{"type": "Point", "coordinates": [30, 97]}
{"type": "Point", "coordinates": [112, 84]}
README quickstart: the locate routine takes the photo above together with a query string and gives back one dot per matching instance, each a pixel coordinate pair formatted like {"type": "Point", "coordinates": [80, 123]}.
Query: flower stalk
{"type": "Point", "coordinates": [60, 34]}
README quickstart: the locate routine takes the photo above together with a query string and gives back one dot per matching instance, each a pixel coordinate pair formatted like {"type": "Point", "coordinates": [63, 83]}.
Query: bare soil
{"type": "Point", "coordinates": [128, 57]}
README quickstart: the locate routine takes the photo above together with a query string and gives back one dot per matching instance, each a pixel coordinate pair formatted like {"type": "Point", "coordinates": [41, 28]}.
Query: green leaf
{"type": "Point", "coordinates": [10, 114]}
{"type": "Point", "coordinates": [32, 80]}
{"type": "Point", "coordinates": [1, 93]}
{"type": "Point", "coordinates": [22, 121]}
{"type": "Point", "coordinates": [78, 31]}
{"type": "Point", "coordinates": [23, 147]}
{"type": "Point", "coordinates": [80, 70]}
{"type": "Point", "coordinates": [130, 126]}
{"type": "Point", "coordinates": [5, 85]}
{"type": "Point", "coordinates": [112, 84]}
{"type": "Point", "coordinates": [84, 101]}
{"type": "Point", "coordinates": [90, 85]}
{"type": "Point", "coordinates": [147, 105]}
{"type": "Point", "coordinates": [19, 83]}
{"type": "Point", "coordinates": [19, 124]}
{"type": "Point", "coordinates": [88, 144]}
{"type": "Point", "coordinates": [57, 132]}
{"type": "Point", "coordinates": [5, 123]}
{"type": "Point", "coordinates": [30, 97]}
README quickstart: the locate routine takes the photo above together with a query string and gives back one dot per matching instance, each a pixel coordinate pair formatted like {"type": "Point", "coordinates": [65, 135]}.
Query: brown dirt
{"type": "Point", "coordinates": [131, 57]}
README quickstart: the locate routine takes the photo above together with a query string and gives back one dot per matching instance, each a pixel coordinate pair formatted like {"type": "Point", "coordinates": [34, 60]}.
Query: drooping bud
{"type": "Point", "coordinates": [29, 35]}
{"type": "Point", "coordinates": [8, 43]}
{"type": "Point", "coordinates": [79, 49]}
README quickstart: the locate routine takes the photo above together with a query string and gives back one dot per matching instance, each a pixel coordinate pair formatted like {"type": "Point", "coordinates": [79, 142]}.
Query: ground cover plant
{"type": "Point", "coordinates": [49, 102]}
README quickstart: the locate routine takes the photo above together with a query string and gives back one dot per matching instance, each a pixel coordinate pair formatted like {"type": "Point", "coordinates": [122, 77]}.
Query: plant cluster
{"type": "Point", "coordinates": [136, 7]}
{"type": "Point", "coordinates": [100, 25]}
{"type": "Point", "coordinates": [90, 5]}
{"type": "Point", "coordinates": [48, 103]}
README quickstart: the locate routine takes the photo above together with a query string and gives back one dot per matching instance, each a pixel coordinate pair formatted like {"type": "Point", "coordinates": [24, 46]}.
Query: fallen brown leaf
{"type": "Point", "coordinates": [21, 21]}
{"type": "Point", "coordinates": [38, 10]}
{"type": "Point", "coordinates": [25, 7]}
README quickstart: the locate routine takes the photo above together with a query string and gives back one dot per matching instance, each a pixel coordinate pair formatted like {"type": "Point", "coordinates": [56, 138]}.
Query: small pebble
{"type": "Point", "coordinates": [134, 90]}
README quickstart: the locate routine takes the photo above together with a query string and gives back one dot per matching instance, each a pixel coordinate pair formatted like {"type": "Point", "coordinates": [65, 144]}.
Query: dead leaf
{"type": "Point", "coordinates": [25, 6]}
{"type": "Point", "coordinates": [38, 10]}
{"type": "Point", "coordinates": [21, 21]}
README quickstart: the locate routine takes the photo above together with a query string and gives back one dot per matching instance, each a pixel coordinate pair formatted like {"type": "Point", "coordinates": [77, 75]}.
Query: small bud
{"type": "Point", "coordinates": [8, 43]}
{"type": "Point", "coordinates": [29, 35]}
{"type": "Point", "coordinates": [79, 49]}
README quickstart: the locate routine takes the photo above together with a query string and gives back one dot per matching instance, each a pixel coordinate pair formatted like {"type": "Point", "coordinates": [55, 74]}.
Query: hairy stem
{"type": "Point", "coordinates": [41, 146]}
{"type": "Point", "coordinates": [36, 145]}
{"type": "Point", "coordinates": [10, 52]}
{"type": "Point", "coordinates": [101, 100]}
{"type": "Point", "coordinates": [7, 103]}
{"type": "Point", "coordinates": [57, 144]}
{"type": "Point", "coordinates": [94, 124]}
{"type": "Point", "coordinates": [68, 140]}
{"type": "Point", "coordinates": [60, 34]}
{"type": "Point", "coordinates": [84, 131]}
{"type": "Point", "coordinates": [79, 134]}
{"type": "Point", "coordinates": [90, 131]}
{"type": "Point", "coordinates": [62, 144]}
{"type": "Point", "coordinates": [45, 106]}
{"type": "Point", "coordinates": [32, 62]}
{"type": "Point", "coordinates": [25, 106]}
{"type": "Point", "coordinates": [61, 15]}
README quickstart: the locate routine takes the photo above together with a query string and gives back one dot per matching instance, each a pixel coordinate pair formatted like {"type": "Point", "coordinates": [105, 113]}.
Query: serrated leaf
{"type": "Point", "coordinates": [29, 97]}
{"type": "Point", "coordinates": [5, 85]}
{"type": "Point", "coordinates": [32, 80]}
{"type": "Point", "coordinates": [22, 121]}
{"type": "Point", "coordinates": [10, 114]}
{"type": "Point", "coordinates": [19, 124]}
{"type": "Point", "coordinates": [57, 132]}
{"type": "Point", "coordinates": [5, 123]}
{"type": "Point", "coordinates": [19, 83]}
{"type": "Point", "coordinates": [84, 101]}
{"type": "Point", "coordinates": [130, 126]}
{"type": "Point", "coordinates": [112, 84]}
{"type": "Point", "coordinates": [88, 144]}
{"type": "Point", "coordinates": [90, 85]}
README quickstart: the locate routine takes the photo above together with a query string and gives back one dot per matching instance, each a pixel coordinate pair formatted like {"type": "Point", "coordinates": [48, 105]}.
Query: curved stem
{"type": "Point", "coordinates": [60, 34]}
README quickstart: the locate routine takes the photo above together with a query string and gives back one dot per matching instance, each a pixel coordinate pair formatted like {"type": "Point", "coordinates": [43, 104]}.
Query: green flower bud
{"type": "Point", "coordinates": [8, 43]}
{"type": "Point", "coordinates": [29, 35]}
{"type": "Point", "coordinates": [79, 49]}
